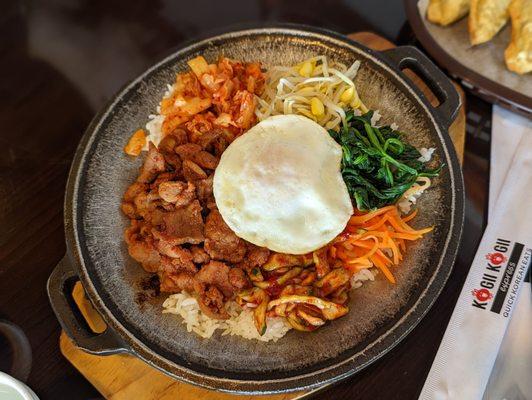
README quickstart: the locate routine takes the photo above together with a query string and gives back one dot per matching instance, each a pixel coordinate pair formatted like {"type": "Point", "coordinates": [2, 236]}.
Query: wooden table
{"type": "Point", "coordinates": [60, 62]}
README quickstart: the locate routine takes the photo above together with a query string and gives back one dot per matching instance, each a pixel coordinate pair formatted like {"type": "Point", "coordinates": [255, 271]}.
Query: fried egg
{"type": "Point", "coordinates": [279, 186]}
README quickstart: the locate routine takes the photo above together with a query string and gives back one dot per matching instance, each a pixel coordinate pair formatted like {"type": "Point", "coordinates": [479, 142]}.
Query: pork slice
{"type": "Point", "coordinates": [166, 148]}
{"type": "Point", "coordinates": [154, 218]}
{"type": "Point", "coordinates": [221, 243]}
{"type": "Point", "coordinates": [169, 142]}
{"type": "Point", "coordinates": [192, 171]}
{"type": "Point", "coordinates": [161, 178]}
{"type": "Point", "coordinates": [173, 160]}
{"type": "Point", "coordinates": [220, 144]}
{"type": "Point", "coordinates": [177, 192]}
{"type": "Point", "coordinates": [175, 258]}
{"type": "Point", "coordinates": [210, 300]}
{"type": "Point", "coordinates": [238, 279]}
{"type": "Point", "coordinates": [183, 225]}
{"type": "Point", "coordinates": [187, 151]}
{"type": "Point", "coordinates": [255, 257]}
{"type": "Point", "coordinates": [205, 160]}
{"type": "Point", "coordinates": [145, 253]}
{"type": "Point", "coordinates": [176, 282]}
{"type": "Point", "coordinates": [199, 255]}
{"type": "Point", "coordinates": [181, 136]}
{"type": "Point", "coordinates": [204, 190]}
{"type": "Point", "coordinates": [216, 273]}
{"type": "Point", "coordinates": [145, 203]}
{"type": "Point", "coordinates": [153, 165]}
{"type": "Point", "coordinates": [208, 138]}
{"type": "Point", "coordinates": [128, 207]}
{"type": "Point", "coordinates": [176, 271]}
{"type": "Point", "coordinates": [129, 210]}
{"type": "Point", "coordinates": [134, 190]}
{"type": "Point", "coordinates": [142, 248]}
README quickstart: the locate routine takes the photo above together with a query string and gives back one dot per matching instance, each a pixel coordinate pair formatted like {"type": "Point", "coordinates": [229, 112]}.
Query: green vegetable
{"type": "Point", "coordinates": [378, 165]}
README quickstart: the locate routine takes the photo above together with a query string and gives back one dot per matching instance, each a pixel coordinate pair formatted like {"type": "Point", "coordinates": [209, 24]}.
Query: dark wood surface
{"type": "Point", "coordinates": [60, 62]}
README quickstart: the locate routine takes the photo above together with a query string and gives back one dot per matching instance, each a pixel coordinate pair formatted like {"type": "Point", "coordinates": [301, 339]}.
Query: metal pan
{"type": "Point", "coordinates": [381, 314]}
{"type": "Point", "coordinates": [508, 91]}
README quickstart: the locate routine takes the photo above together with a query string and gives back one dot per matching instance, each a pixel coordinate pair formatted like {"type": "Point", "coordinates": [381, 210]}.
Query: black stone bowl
{"type": "Point", "coordinates": [380, 314]}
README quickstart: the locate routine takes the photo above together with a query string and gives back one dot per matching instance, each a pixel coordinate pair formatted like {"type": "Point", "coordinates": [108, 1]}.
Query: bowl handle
{"type": "Point", "coordinates": [410, 57]}
{"type": "Point", "coordinates": [59, 287]}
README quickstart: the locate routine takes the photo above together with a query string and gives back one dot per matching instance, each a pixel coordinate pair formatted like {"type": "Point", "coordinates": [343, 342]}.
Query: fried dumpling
{"type": "Point", "coordinates": [518, 55]}
{"type": "Point", "coordinates": [445, 12]}
{"type": "Point", "coordinates": [486, 18]}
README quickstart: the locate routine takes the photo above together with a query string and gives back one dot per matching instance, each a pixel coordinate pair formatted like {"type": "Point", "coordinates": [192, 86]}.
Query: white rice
{"type": "Point", "coordinates": [358, 279]}
{"type": "Point", "coordinates": [426, 154]}
{"type": "Point", "coordinates": [155, 133]}
{"type": "Point", "coordinates": [240, 322]}
{"type": "Point", "coordinates": [375, 118]}
{"type": "Point", "coordinates": [154, 125]}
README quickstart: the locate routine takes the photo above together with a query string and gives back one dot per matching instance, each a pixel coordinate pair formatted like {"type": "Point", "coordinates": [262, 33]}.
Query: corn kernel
{"type": "Point", "coordinates": [347, 94]}
{"type": "Point", "coordinates": [306, 69]}
{"type": "Point", "coordinates": [316, 107]}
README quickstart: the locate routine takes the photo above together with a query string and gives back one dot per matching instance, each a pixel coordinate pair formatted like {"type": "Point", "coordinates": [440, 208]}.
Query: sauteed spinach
{"type": "Point", "coordinates": [378, 165]}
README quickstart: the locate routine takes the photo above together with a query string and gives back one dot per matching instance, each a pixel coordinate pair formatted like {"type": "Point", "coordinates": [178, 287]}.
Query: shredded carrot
{"type": "Point", "coordinates": [410, 216]}
{"type": "Point", "coordinates": [377, 238]}
{"type": "Point", "coordinates": [402, 244]}
{"type": "Point", "coordinates": [360, 219]}
{"type": "Point", "coordinates": [382, 266]}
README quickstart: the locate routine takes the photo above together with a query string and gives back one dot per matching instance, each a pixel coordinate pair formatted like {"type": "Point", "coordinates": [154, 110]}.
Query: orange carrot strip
{"type": "Point", "coordinates": [395, 224]}
{"type": "Point", "coordinates": [410, 216]}
{"type": "Point", "coordinates": [395, 251]}
{"type": "Point", "coordinates": [372, 251]}
{"type": "Point", "coordinates": [405, 236]}
{"type": "Point", "coordinates": [380, 265]}
{"type": "Point", "coordinates": [377, 225]}
{"type": "Point", "coordinates": [380, 254]}
{"type": "Point", "coordinates": [399, 228]}
{"type": "Point", "coordinates": [366, 217]}
{"type": "Point", "coordinates": [368, 235]}
{"type": "Point", "coordinates": [402, 244]}
{"type": "Point", "coordinates": [407, 228]}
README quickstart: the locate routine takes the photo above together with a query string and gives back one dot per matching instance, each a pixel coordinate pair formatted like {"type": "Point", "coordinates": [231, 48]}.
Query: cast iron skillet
{"type": "Point", "coordinates": [381, 314]}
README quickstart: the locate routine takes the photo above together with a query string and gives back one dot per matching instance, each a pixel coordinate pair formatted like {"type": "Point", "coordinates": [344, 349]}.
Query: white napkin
{"type": "Point", "coordinates": [510, 377]}
{"type": "Point", "coordinates": [481, 316]}
{"type": "Point", "coordinates": [507, 129]}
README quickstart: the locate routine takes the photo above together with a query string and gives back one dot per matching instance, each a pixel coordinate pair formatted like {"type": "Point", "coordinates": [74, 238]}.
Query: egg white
{"type": "Point", "coordinates": [279, 186]}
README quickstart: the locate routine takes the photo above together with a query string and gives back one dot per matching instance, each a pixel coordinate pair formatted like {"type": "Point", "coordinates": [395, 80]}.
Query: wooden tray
{"type": "Point", "coordinates": [124, 376]}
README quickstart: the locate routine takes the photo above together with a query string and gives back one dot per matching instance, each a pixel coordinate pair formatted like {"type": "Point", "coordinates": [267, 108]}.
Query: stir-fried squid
{"type": "Point", "coordinates": [317, 88]}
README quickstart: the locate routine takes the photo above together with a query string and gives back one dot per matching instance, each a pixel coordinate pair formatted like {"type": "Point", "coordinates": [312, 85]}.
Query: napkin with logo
{"type": "Point", "coordinates": [472, 340]}
{"type": "Point", "coordinates": [510, 377]}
